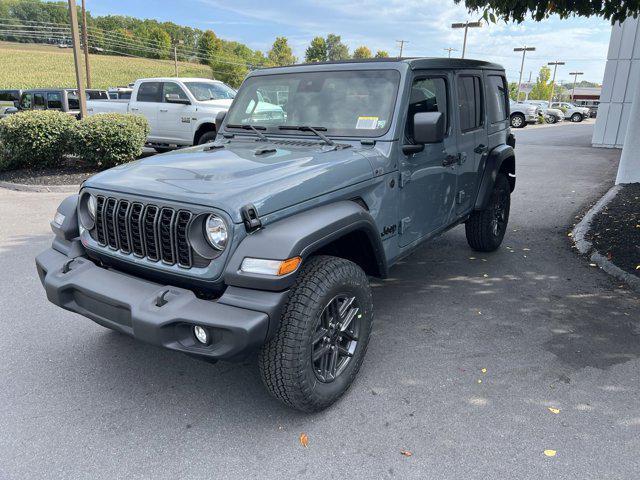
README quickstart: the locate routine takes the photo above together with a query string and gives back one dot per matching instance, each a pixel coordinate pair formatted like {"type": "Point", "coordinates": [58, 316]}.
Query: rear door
{"type": "Point", "coordinates": [428, 178]}
{"type": "Point", "coordinates": [147, 102]}
{"type": "Point", "coordinates": [472, 136]}
{"type": "Point", "coordinates": [174, 119]}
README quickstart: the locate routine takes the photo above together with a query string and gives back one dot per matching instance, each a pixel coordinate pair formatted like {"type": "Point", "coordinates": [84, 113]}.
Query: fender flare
{"type": "Point", "coordinates": [301, 235]}
{"type": "Point", "coordinates": [492, 166]}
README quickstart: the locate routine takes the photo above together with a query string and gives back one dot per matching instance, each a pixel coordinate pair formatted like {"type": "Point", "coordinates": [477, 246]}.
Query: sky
{"type": "Point", "coordinates": [424, 24]}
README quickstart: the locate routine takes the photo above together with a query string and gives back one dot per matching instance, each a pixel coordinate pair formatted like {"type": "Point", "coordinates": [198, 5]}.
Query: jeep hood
{"type": "Point", "coordinates": [239, 174]}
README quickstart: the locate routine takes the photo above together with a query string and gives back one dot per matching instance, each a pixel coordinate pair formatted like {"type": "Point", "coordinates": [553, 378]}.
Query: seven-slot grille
{"type": "Point", "coordinates": [157, 233]}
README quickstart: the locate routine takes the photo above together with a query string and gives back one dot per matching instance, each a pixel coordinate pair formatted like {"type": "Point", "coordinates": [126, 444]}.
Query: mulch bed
{"type": "Point", "coordinates": [63, 175]}
{"type": "Point", "coordinates": [615, 231]}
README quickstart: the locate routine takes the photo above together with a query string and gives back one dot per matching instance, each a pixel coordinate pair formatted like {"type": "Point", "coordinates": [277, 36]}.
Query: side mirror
{"type": "Point", "coordinates": [175, 98]}
{"type": "Point", "coordinates": [428, 127]}
{"type": "Point", "coordinates": [219, 119]}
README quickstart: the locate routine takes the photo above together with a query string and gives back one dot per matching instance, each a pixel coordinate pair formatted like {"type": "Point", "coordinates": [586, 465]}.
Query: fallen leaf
{"type": "Point", "coordinates": [526, 249]}
{"type": "Point", "coordinates": [472, 258]}
{"type": "Point", "coordinates": [406, 453]}
{"type": "Point", "coordinates": [479, 381]}
{"type": "Point", "coordinates": [550, 453]}
{"type": "Point", "coordinates": [593, 265]}
{"type": "Point", "coordinates": [570, 234]}
{"type": "Point", "coordinates": [485, 275]}
{"type": "Point", "coordinates": [637, 267]}
{"type": "Point", "coordinates": [304, 440]}
{"type": "Point", "coordinates": [484, 370]}
{"type": "Point", "coordinates": [554, 410]}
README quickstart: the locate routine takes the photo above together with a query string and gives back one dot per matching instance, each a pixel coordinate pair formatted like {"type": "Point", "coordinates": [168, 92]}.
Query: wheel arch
{"type": "Point", "coordinates": [501, 159]}
{"type": "Point", "coordinates": [344, 229]}
{"type": "Point", "coordinates": [204, 127]}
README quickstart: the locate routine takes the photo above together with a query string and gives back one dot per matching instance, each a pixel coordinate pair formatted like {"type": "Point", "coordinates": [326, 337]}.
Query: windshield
{"type": "Point", "coordinates": [344, 103]}
{"type": "Point", "coordinates": [204, 91]}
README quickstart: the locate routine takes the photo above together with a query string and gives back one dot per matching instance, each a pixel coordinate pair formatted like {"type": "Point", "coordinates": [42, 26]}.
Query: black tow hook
{"type": "Point", "coordinates": [66, 268]}
{"type": "Point", "coordinates": [161, 300]}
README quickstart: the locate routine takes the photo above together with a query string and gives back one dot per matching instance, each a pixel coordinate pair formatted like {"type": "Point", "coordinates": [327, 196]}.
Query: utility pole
{"type": "Point", "coordinates": [466, 25]}
{"type": "Point", "coordinates": [75, 38]}
{"type": "Point", "coordinates": [575, 80]}
{"type": "Point", "coordinates": [450, 50]}
{"type": "Point", "coordinates": [175, 59]}
{"type": "Point", "coordinates": [553, 82]}
{"type": "Point", "coordinates": [401, 42]}
{"type": "Point", "coordinates": [524, 51]}
{"type": "Point", "coordinates": [85, 41]}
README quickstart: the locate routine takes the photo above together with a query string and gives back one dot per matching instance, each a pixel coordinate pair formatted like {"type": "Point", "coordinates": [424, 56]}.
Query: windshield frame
{"type": "Point", "coordinates": [275, 131]}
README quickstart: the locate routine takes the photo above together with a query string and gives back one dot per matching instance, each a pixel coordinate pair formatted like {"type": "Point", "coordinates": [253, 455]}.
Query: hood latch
{"type": "Point", "coordinates": [250, 218]}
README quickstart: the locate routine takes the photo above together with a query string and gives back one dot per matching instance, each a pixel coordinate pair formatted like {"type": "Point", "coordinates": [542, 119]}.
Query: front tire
{"type": "Point", "coordinates": [518, 120]}
{"type": "Point", "coordinates": [485, 229]}
{"type": "Point", "coordinates": [576, 118]}
{"type": "Point", "coordinates": [206, 137]}
{"type": "Point", "coordinates": [319, 347]}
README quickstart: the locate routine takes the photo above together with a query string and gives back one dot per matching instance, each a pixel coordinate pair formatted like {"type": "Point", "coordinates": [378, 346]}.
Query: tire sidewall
{"type": "Point", "coordinates": [206, 137]}
{"type": "Point", "coordinates": [521, 118]}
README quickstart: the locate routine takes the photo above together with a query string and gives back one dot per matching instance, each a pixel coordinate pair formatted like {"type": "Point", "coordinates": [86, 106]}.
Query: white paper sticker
{"type": "Point", "coordinates": [367, 123]}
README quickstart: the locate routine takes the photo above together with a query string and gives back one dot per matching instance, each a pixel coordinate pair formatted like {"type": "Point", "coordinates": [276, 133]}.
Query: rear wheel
{"type": "Point", "coordinates": [518, 120]}
{"type": "Point", "coordinates": [162, 149]}
{"type": "Point", "coordinates": [550, 119]}
{"type": "Point", "coordinates": [317, 351]}
{"type": "Point", "coordinates": [485, 229]}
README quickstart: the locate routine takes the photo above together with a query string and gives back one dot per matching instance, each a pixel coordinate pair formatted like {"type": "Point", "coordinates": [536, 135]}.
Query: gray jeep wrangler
{"type": "Point", "coordinates": [321, 176]}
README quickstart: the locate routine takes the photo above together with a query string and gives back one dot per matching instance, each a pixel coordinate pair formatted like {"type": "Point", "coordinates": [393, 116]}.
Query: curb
{"type": "Point", "coordinates": [21, 187]}
{"type": "Point", "coordinates": [585, 247]}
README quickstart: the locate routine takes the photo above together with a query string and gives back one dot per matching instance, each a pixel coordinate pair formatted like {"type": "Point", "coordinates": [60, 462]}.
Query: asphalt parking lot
{"type": "Point", "coordinates": [79, 401]}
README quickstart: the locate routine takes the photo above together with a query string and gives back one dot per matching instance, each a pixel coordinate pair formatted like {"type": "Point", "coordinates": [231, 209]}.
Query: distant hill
{"type": "Point", "coordinates": [25, 65]}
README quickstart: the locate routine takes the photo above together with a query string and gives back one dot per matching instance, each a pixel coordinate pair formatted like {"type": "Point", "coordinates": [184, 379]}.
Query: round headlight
{"type": "Point", "coordinates": [216, 232]}
{"type": "Point", "coordinates": [92, 206]}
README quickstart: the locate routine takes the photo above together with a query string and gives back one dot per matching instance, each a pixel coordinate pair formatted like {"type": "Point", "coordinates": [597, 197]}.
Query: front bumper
{"type": "Point", "coordinates": [239, 321]}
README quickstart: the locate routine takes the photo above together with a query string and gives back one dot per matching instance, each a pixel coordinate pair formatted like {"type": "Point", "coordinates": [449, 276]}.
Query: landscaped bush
{"type": "Point", "coordinates": [34, 139]}
{"type": "Point", "coordinates": [110, 139]}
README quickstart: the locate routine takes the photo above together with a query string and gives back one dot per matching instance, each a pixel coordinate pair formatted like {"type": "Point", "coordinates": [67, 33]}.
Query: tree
{"type": "Point", "coordinates": [336, 50]}
{"type": "Point", "coordinates": [228, 68]}
{"type": "Point", "coordinates": [518, 10]}
{"type": "Point", "coordinates": [542, 88]}
{"type": "Point", "coordinates": [281, 53]}
{"type": "Point", "coordinates": [160, 41]}
{"type": "Point", "coordinates": [382, 54]}
{"type": "Point", "coordinates": [316, 51]}
{"type": "Point", "coordinates": [208, 46]}
{"type": "Point", "coordinates": [362, 52]}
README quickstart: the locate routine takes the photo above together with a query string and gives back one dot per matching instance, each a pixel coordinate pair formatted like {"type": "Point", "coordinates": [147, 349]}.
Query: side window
{"type": "Point", "coordinates": [73, 100]}
{"type": "Point", "coordinates": [172, 88]}
{"type": "Point", "coordinates": [497, 98]}
{"type": "Point", "coordinates": [150, 92]}
{"type": "Point", "coordinates": [54, 100]}
{"type": "Point", "coordinates": [427, 95]}
{"type": "Point", "coordinates": [25, 102]}
{"type": "Point", "coordinates": [38, 101]}
{"type": "Point", "coordinates": [470, 102]}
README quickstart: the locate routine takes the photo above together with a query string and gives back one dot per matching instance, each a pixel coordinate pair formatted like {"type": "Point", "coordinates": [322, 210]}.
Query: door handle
{"type": "Point", "coordinates": [480, 149]}
{"type": "Point", "coordinates": [164, 110]}
{"type": "Point", "coordinates": [134, 109]}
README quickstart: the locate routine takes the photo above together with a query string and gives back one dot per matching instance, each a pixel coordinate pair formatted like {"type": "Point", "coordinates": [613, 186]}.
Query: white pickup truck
{"type": "Point", "coordinates": [180, 111]}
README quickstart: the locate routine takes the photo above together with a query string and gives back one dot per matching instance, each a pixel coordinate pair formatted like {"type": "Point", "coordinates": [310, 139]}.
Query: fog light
{"type": "Point", "coordinates": [201, 334]}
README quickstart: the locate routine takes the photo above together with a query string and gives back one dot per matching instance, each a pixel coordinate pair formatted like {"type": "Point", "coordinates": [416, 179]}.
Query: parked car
{"type": "Point", "coordinates": [263, 239]}
{"type": "Point", "coordinates": [523, 114]}
{"type": "Point", "coordinates": [62, 99]}
{"type": "Point", "coordinates": [571, 112]}
{"type": "Point", "coordinates": [551, 115]}
{"type": "Point", "coordinates": [120, 93]}
{"type": "Point", "coordinates": [180, 111]}
{"type": "Point", "coordinates": [96, 94]}
{"type": "Point", "coordinates": [9, 100]}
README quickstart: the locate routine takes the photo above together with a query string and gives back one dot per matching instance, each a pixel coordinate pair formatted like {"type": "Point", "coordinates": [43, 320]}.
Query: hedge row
{"type": "Point", "coordinates": [43, 138]}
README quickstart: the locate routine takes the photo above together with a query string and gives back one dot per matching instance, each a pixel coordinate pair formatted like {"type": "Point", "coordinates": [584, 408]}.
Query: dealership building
{"type": "Point", "coordinates": [618, 121]}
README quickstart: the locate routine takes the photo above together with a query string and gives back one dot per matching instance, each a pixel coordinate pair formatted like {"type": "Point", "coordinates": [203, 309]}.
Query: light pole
{"type": "Point", "coordinates": [450, 50]}
{"type": "Point", "coordinates": [401, 42]}
{"type": "Point", "coordinates": [553, 81]}
{"type": "Point", "coordinates": [75, 38]}
{"type": "Point", "coordinates": [575, 80]}
{"type": "Point", "coordinates": [524, 51]}
{"type": "Point", "coordinates": [466, 25]}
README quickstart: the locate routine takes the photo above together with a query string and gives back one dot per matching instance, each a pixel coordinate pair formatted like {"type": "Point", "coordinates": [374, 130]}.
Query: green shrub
{"type": "Point", "coordinates": [110, 139]}
{"type": "Point", "coordinates": [34, 139]}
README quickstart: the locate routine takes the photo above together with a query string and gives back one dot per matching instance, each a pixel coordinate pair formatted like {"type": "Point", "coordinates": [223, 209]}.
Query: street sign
{"type": "Point", "coordinates": [526, 87]}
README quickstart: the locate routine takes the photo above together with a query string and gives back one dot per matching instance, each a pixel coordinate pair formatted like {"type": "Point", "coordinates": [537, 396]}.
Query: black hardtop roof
{"type": "Point", "coordinates": [414, 63]}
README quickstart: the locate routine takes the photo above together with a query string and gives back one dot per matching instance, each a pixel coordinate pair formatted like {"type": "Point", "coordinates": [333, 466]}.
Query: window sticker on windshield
{"type": "Point", "coordinates": [367, 123]}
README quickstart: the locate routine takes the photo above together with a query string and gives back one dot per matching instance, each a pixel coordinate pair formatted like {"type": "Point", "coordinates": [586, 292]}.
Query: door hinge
{"type": "Point", "coordinates": [404, 223]}
{"type": "Point", "coordinates": [405, 177]}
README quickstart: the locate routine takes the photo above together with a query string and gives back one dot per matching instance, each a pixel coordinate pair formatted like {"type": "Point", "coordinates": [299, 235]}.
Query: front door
{"type": "Point", "coordinates": [428, 178]}
{"type": "Point", "coordinates": [472, 137]}
{"type": "Point", "coordinates": [174, 119]}
{"type": "Point", "coordinates": [147, 103]}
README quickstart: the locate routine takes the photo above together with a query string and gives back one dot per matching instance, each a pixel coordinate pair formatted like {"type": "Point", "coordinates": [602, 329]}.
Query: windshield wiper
{"type": "Point", "coordinates": [307, 128]}
{"type": "Point", "coordinates": [255, 128]}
